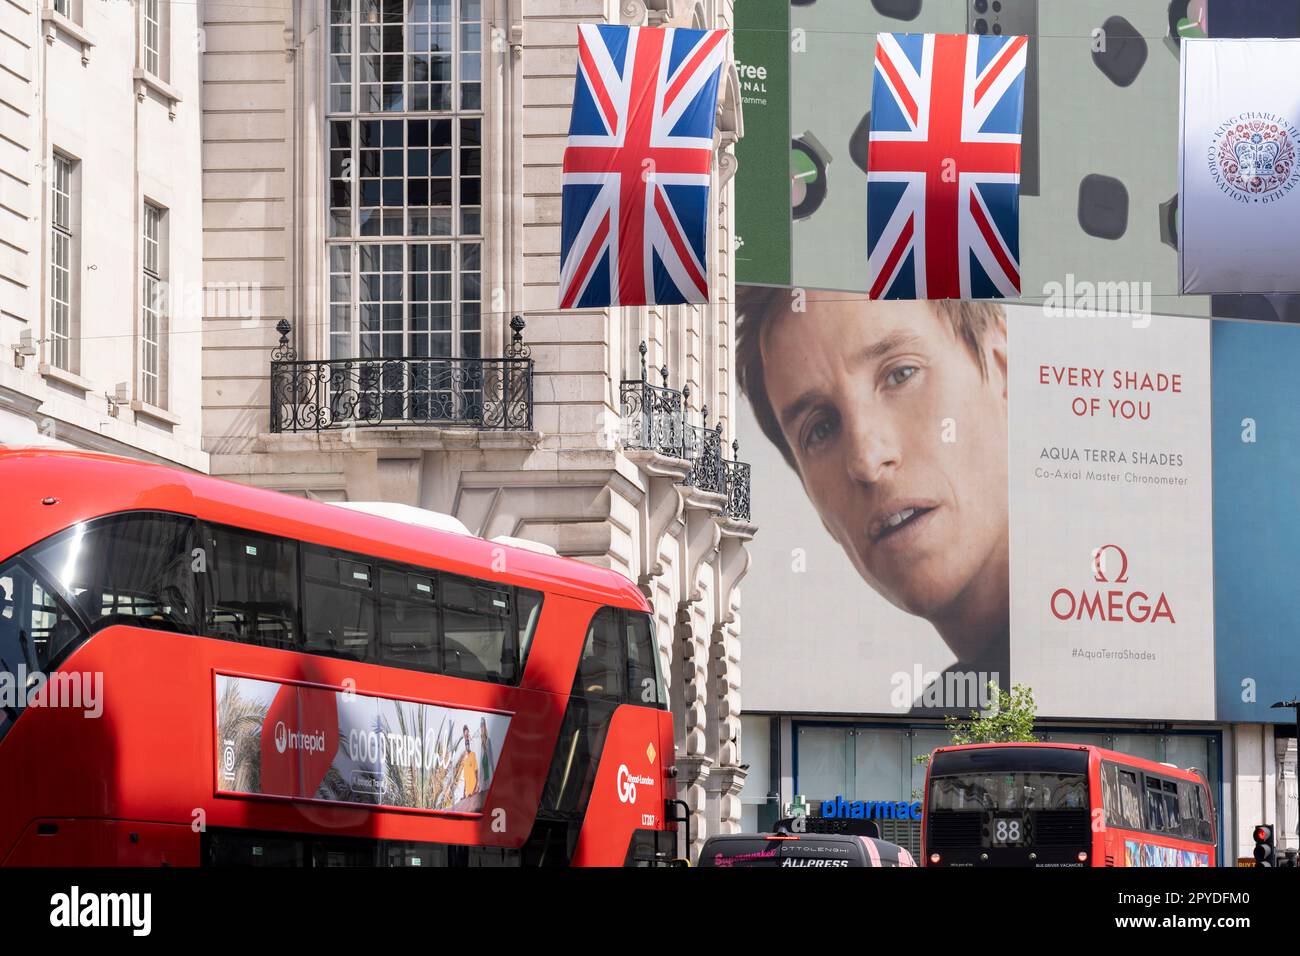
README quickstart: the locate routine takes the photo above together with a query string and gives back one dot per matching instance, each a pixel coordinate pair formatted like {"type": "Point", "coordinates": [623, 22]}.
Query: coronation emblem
{"type": "Point", "coordinates": [1253, 157]}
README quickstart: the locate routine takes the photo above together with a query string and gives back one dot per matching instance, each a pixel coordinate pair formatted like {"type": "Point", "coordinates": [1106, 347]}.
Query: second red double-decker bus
{"type": "Point", "coordinates": [195, 672]}
{"type": "Point", "coordinates": [1059, 805]}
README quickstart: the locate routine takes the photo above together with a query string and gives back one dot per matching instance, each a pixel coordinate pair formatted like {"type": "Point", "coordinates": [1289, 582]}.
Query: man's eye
{"type": "Point", "coordinates": [818, 432]}
{"type": "Point", "coordinates": [900, 375]}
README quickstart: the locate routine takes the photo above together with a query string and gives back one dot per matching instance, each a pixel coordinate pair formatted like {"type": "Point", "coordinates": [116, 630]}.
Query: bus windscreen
{"type": "Point", "coordinates": [1009, 791]}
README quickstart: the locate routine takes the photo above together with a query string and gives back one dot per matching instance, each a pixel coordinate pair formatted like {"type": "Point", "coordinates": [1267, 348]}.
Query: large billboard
{"type": "Point", "coordinates": [1111, 571]}
{"type": "Point", "coordinates": [310, 742]}
{"type": "Point", "coordinates": [972, 494]}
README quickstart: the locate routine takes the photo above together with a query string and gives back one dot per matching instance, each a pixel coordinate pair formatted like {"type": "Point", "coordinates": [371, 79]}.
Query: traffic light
{"type": "Point", "coordinates": [1265, 854]}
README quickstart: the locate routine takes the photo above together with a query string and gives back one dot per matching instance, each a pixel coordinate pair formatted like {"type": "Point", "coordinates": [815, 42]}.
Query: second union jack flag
{"type": "Point", "coordinates": [635, 203]}
{"type": "Point", "coordinates": [943, 171]}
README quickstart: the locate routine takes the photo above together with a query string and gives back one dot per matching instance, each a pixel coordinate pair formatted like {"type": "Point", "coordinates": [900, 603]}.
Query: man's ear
{"type": "Point", "coordinates": [997, 347]}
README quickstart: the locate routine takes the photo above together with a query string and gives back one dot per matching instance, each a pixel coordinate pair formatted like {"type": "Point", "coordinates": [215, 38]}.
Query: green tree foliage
{"type": "Point", "coordinates": [1010, 719]}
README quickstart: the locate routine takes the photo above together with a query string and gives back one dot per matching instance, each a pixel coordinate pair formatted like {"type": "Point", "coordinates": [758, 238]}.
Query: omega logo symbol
{"type": "Point", "coordinates": [1113, 604]}
{"type": "Point", "coordinates": [1099, 564]}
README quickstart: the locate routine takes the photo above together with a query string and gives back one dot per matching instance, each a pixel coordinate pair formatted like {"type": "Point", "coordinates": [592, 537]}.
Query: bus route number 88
{"type": "Point", "coordinates": [1008, 831]}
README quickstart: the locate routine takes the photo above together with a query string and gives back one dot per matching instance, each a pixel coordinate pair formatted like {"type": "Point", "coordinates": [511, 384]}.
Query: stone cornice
{"type": "Point", "coordinates": [693, 769]}
{"type": "Point", "coordinates": [727, 780]}
{"type": "Point", "coordinates": [382, 438]}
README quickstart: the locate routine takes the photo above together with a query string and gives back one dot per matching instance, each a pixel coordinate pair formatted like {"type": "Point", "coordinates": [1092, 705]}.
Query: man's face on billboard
{"type": "Point", "coordinates": [901, 443]}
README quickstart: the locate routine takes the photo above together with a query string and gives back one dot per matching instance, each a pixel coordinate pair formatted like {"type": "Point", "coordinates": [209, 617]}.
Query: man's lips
{"type": "Point", "coordinates": [897, 518]}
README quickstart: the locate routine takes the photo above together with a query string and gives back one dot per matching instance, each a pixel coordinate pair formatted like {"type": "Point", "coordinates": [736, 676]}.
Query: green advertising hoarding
{"type": "Point", "coordinates": [762, 212]}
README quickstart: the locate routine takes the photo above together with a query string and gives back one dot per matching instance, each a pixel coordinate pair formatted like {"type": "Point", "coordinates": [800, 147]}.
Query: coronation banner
{"type": "Point", "coordinates": [1240, 133]}
{"type": "Point", "coordinates": [974, 493]}
{"type": "Point", "coordinates": [292, 740]}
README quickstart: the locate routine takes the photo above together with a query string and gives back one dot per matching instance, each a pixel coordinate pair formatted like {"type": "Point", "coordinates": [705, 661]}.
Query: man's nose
{"type": "Point", "coordinates": [872, 452]}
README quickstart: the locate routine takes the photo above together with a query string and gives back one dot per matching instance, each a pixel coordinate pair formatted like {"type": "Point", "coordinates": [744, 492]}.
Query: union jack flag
{"type": "Point", "coordinates": [635, 191]}
{"type": "Point", "coordinates": [943, 167]}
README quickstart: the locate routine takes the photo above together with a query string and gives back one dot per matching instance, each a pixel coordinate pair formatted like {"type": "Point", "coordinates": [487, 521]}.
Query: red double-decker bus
{"type": "Point", "coordinates": [195, 672]}
{"type": "Point", "coordinates": [1063, 805]}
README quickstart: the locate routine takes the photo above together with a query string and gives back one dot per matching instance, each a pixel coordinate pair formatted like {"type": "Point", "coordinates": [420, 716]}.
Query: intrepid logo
{"type": "Point", "coordinates": [1113, 604]}
{"type": "Point", "coordinates": [286, 739]}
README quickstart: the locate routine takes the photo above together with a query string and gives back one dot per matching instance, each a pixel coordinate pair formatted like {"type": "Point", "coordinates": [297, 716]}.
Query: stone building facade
{"type": "Point", "coordinates": [100, 261]}
{"type": "Point", "coordinates": [406, 205]}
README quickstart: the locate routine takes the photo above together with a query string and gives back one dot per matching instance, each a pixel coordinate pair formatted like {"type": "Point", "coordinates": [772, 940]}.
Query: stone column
{"type": "Point", "coordinates": [1284, 832]}
{"type": "Point", "coordinates": [699, 551]}
{"type": "Point", "coordinates": [724, 674]}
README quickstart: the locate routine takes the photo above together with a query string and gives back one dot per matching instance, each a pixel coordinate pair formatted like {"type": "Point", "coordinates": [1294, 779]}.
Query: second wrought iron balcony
{"type": "Point", "coordinates": [654, 419]}
{"type": "Point", "coordinates": [445, 392]}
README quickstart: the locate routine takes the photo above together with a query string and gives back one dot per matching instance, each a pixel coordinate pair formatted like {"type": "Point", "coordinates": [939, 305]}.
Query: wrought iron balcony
{"type": "Point", "coordinates": [704, 450]}
{"type": "Point", "coordinates": [654, 419]}
{"type": "Point", "coordinates": [736, 482]}
{"type": "Point", "coordinates": [477, 393]}
{"type": "Point", "coordinates": [652, 414]}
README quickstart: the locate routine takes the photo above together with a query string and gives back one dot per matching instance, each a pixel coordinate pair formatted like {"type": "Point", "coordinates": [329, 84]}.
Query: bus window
{"type": "Point", "coordinates": [132, 569]}
{"type": "Point", "coordinates": [490, 856]}
{"type": "Point", "coordinates": [577, 749]}
{"type": "Point", "coordinates": [1173, 819]}
{"type": "Point", "coordinates": [346, 852]}
{"type": "Point", "coordinates": [1204, 814]}
{"type": "Point", "coordinates": [477, 630]}
{"type": "Point", "coordinates": [1187, 810]}
{"type": "Point", "coordinates": [36, 629]}
{"type": "Point", "coordinates": [960, 793]}
{"type": "Point", "coordinates": [338, 604]}
{"type": "Point", "coordinates": [252, 587]}
{"type": "Point", "coordinates": [1155, 805]}
{"type": "Point", "coordinates": [247, 848]}
{"type": "Point", "coordinates": [1009, 791]}
{"type": "Point", "coordinates": [643, 680]}
{"type": "Point", "coordinates": [1130, 800]}
{"type": "Point", "coordinates": [254, 849]}
{"type": "Point", "coordinates": [601, 670]}
{"type": "Point", "coordinates": [408, 620]}
{"type": "Point", "coordinates": [1057, 792]}
{"type": "Point", "coordinates": [1110, 792]}
{"type": "Point", "coordinates": [528, 609]}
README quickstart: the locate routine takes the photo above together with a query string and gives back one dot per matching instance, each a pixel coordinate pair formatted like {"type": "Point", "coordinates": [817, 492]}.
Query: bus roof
{"type": "Point", "coordinates": [82, 485]}
{"type": "Point", "coordinates": [1140, 763]}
